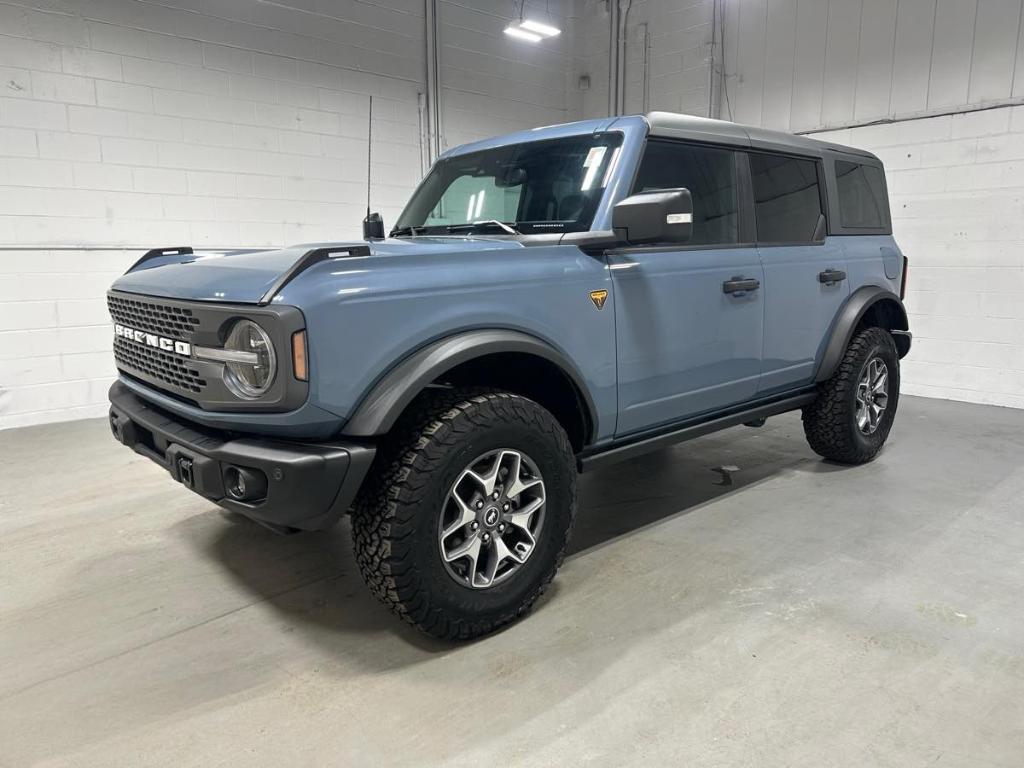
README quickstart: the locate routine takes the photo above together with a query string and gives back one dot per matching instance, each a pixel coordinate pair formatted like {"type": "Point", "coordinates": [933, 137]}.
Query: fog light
{"type": "Point", "coordinates": [244, 484]}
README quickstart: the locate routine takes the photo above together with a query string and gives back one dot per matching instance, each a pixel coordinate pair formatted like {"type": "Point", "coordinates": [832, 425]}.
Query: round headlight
{"type": "Point", "coordinates": [252, 377]}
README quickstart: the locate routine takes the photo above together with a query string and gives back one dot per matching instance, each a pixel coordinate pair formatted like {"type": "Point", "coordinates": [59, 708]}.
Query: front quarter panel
{"type": "Point", "coordinates": [364, 315]}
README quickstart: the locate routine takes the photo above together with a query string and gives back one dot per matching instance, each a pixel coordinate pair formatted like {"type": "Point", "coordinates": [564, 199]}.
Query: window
{"type": "Point", "coordinates": [787, 199]}
{"type": "Point", "coordinates": [862, 201]}
{"type": "Point", "coordinates": [709, 174]}
{"type": "Point", "coordinates": [536, 186]}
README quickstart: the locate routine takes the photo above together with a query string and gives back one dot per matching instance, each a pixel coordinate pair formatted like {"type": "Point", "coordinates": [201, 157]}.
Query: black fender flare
{"type": "Point", "coordinates": [856, 306]}
{"type": "Point", "coordinates": [387, 399]}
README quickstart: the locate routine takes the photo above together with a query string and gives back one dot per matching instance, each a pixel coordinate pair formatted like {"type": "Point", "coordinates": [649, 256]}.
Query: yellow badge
{"type": "Point", "coordinates": [599, 298]}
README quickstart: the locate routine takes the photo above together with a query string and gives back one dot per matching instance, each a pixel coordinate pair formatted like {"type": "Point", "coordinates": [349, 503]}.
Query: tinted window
{"type": "Point", "coordinates": [787, 201]}
{"type": "Point", "coordinates": [861, 195]}
{"type": "Point", "coordinates": [709, 174]}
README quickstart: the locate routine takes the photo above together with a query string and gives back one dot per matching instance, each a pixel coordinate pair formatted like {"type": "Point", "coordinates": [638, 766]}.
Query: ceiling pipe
{"type": "Point", "coordinates": [647, 68]}
{"type": "Point", "coordinates": [712, 60]}
{"type": "Point", "coordinates": [621, 56]}
{"type": "Point", "coordinates": [613, 57]}
{"type": "Point", "coordinates": [433, 94]}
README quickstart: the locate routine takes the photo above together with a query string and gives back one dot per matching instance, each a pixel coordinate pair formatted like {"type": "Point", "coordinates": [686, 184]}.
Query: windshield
{"type": "Point", "coordinates": [536, 187]}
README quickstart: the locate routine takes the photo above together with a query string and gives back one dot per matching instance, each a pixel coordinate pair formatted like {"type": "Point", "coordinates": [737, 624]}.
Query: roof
{"type": "Point", "coordinates": [673, 125]}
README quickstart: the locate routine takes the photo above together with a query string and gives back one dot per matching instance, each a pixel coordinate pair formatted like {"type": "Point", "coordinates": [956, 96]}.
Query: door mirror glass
{"type": "Point", "coordinates": [658, 216]}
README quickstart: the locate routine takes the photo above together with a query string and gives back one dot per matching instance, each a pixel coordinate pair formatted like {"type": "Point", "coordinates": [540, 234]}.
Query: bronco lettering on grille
{"type": "Point", "coordinates": [152, 340]}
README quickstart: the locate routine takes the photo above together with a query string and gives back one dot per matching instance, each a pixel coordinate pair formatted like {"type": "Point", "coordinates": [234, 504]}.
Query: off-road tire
{"type": "Point", "coordinates": [830, 422]}
{"type": "Point", "coordinates": [395, 518]}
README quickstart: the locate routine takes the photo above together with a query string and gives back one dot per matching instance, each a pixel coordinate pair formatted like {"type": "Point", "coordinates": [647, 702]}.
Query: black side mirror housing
{"type": "Point", "coordinates": [373, 227]}
{"type": "Point", "coordinates": [658, 216]}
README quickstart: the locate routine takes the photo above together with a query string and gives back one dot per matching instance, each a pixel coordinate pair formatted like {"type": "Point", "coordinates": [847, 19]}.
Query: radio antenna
{"type": "Point", "coordinates": [369, 155]}
{"type": "Point", "coordinates": [373, 224]}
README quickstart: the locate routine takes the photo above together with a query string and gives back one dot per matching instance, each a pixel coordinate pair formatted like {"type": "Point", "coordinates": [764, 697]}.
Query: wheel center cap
{"type": "Point", "coordinates": [491, 517]}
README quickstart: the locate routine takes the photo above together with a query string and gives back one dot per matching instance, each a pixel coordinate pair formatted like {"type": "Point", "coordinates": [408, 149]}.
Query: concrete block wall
{"type": "Point", "coordinates": [956, 185]}
{"type": "Point", "coordinates": [493, 84]}
{"type": "Point", "coordinates": [126, 125]}
{"type": "Point", "coordinates": [794, 65]}
{"type": "Point", "coordinates": [678, 59]}
{"type": "Point", "coordinates": [130, 123]}
{"type": "Point", "coordinates": [55, 335]}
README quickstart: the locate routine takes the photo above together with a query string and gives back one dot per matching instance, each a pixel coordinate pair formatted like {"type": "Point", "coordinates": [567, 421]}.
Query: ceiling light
{"type": "Point", "coordinates": [514, 31]}
{"type": "Point", "coordinates": [545, 30]}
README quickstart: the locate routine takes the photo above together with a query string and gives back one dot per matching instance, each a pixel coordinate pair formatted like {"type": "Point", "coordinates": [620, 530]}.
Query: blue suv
{"type": "Point", "coordinates": [549, 302]}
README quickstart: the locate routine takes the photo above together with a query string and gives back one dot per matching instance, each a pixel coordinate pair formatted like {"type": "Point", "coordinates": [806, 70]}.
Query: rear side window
{"type": "Point", "coordinates": [861, 190]}
{"type": "Point", "coordinates": [709, 174]}
{"type": "Point", "coordinates": [787, 198]}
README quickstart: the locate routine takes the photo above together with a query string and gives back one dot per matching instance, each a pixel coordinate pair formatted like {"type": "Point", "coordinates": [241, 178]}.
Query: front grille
{"type": "Point", "coordinates": [152, 316]}
{"type": "Point", "coordinates": [197, 381]}
{"type": "Point", "coordinates": [168, 368]}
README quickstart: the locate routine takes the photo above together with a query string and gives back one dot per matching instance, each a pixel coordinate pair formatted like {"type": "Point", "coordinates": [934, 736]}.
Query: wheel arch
{"type": "Point", "coordinates": [455, 359]}
{"type": "Point", "coordinates": [870, 306]}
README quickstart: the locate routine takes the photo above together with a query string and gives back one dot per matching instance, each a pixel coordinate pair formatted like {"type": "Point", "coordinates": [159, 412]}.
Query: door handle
{"type": "Point", "coordinates": [738, 286]}
{"type": "Point", "coordinates": [831, 276]}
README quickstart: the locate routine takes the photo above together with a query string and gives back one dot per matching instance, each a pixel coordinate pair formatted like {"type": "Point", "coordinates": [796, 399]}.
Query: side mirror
{"type": "Point", "coordinates": [659, 216]}
{"type": "Point", "coordinates": [373, 227]}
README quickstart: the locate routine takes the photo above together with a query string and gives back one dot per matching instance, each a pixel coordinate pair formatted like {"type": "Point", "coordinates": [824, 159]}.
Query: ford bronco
{"type": "Point", "coordinates": [549, 302]}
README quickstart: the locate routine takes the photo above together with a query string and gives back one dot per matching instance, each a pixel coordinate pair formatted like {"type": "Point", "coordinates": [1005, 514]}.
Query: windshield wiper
{"type": "Point", "coordinates": [404, 231]}
{"type": "Point", "coordinates": [508, 229]}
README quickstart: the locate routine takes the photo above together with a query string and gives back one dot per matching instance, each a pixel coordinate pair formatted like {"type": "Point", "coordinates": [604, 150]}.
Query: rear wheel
{"type": "Point", "coordinates": [467, 515]}
{"type": "Point", "coordinates": [854, 411]}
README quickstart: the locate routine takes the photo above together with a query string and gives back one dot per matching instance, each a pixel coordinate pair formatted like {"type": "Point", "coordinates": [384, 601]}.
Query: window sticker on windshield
{"type": "Point", "coordinates": [594, 156]}
{"type": "Point", "coordinates": [592, 163]}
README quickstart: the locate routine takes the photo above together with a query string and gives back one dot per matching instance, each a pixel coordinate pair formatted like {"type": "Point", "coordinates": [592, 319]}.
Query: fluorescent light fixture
{"type": "Point", "coordinates": [513, 31]}
{"type": "Point", "coordinates": [545, 30]}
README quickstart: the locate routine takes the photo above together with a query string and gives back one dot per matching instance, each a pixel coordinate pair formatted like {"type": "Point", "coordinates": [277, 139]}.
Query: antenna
{"type": "Point", "coordinates": [373, 224]}
{"type": "Point", "coordinates": [369, 154]}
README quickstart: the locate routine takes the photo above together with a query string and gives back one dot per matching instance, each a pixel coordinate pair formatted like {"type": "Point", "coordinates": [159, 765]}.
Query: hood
{"type": "Point", "coordinates": [245, 276]}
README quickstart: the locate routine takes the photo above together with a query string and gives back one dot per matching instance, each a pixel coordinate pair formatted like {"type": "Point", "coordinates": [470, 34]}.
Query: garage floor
{"type": "Point", "coordinates": [785, 612]}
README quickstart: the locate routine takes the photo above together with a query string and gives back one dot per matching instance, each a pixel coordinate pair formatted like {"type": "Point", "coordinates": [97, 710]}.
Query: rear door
{"type": "Point", "coordinates": [805, 272]}
{"type": "Point", "coordinates": [684, 344]}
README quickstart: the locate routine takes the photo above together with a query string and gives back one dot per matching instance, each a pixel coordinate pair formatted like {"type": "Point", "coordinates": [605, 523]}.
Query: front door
{"type": "Point", "coordinates": [688, 318]}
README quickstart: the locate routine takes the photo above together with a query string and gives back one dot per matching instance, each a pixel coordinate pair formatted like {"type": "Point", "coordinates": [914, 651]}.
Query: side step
{"type": "Point", "coordinates": [690, 430]}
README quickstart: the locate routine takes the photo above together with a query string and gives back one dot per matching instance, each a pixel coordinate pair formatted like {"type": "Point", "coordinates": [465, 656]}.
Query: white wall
{"type": "Point", "coordinates": [802, 65]}
{"type": "Point", "coordinates": [494, 84]}
{"type": "Point", "coordinates": [956, 179]}
{"type": "Point", "coordinates": [956, 184]}
{"type": "Point", "coordinates": [126, 125]}
{"type": "Point", "coordinates": [678, 60]}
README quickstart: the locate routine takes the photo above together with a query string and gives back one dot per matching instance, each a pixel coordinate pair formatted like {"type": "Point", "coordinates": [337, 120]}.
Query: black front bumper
{"type": "Point", "coordinates": [308, 485]}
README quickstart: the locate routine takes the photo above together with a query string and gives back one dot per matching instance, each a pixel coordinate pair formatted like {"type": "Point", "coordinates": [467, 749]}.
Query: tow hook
{"type": "Point", "coordinates": [185, 472]}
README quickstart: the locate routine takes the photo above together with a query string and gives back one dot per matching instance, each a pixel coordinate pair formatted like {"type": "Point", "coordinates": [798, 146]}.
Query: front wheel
{"type": "Point", "coordinates": [854, 411]}
{"type": "Point", "coordinates": [467, 515]}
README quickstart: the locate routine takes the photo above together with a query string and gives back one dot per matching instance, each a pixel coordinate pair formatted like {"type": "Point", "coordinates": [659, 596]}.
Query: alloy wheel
{"type": "Point", "coordinates": [872, 395]}
{"type": "Point", "coordinates": [491, 519]}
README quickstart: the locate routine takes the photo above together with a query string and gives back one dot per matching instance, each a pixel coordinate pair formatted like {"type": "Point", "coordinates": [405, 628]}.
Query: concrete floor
{"type": "Point", "coordinates": [790, 612]}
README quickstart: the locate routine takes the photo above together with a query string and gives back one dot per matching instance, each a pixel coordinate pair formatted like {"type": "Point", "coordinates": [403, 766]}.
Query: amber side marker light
{"type": "Point", "coordinates": [299, 365]}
